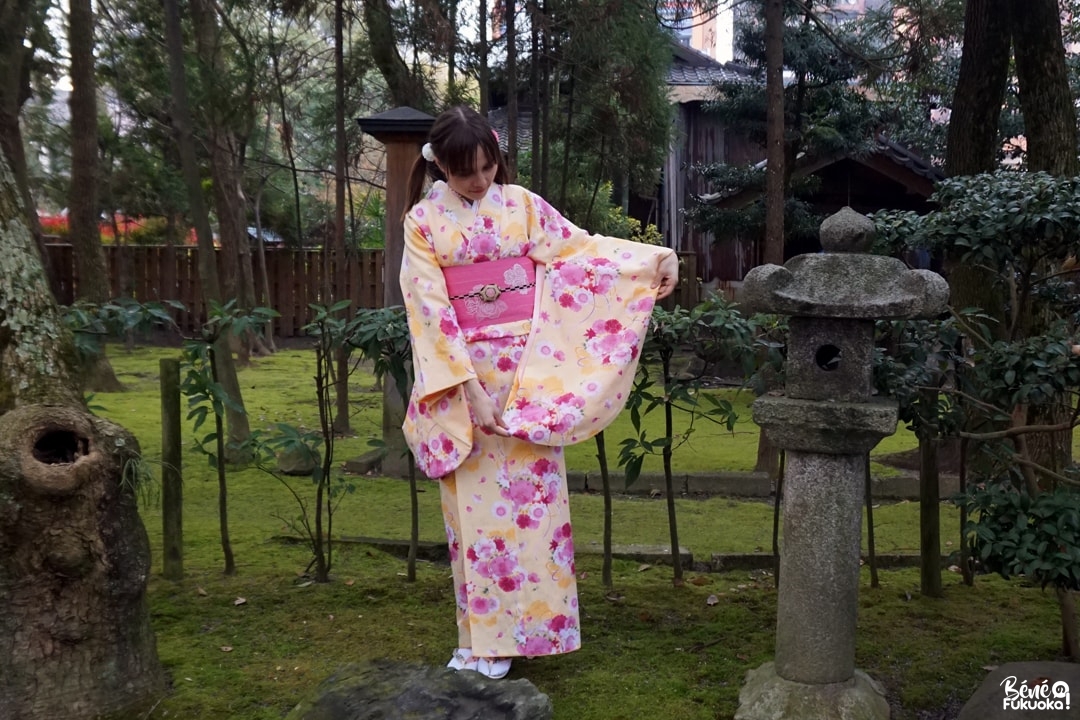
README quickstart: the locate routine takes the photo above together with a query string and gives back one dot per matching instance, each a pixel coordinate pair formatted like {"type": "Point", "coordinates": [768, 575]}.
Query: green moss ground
{"type": "Point", "coordinates": [650, 649]}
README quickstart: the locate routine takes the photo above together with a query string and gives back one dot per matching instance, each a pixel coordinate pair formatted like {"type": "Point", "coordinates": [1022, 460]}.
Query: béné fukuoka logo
{"type": "Point", "coordinates": [1036, 694]}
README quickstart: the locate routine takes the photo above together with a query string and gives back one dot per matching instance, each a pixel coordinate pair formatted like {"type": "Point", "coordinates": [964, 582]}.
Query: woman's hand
{"type": "Point", "coordinates": [667, 275]}
{"type": "Point", "coordinates": [484, 410]}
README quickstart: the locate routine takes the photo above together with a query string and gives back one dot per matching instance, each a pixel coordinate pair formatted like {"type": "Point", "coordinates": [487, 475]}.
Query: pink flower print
{"type": "Point", "coordinates": [448, 324]}
{"type": "Point", "coordinates": [438, 457]}
{"type": "Point", "coordinates": [644, 305]}
{"type": "Point", "coordinates": [483, 246]}
{"type": "Point", "coordinates": [562, 548]}
{"type": "Point", "coordinates": [501, 510]}
{"type": "Point", "coordinates": [536, 646]}
{"type": "Point", "coordinates": [509, 583]}
{"type": "Point", "coordinates": [575, 282]}
{"type": "Point", "coordinates": [505, 364]}
{"type": "Point", "coordinates": [537, 420]}
{"type": "Point", "coordinates": [452, 541]}
{"type": "Point", "coordinates": [521, 491]}
{"type": "Point", "coordinates": [419, 212]}
{"type": "Point", "coordinates": [547, 637]}
{"type": "Point", "coordinates": [463, 591]}
{"type": "Point", "coordinates": [530, 491]}
{"type": "Point", "coordinates": [483, 604]}
{"type": "Point", "coordinates": [611, 343]}
{"type": "Point", "coordinates": [492, 559]}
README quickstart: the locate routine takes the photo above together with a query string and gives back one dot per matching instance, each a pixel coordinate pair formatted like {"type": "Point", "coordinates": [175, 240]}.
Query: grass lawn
{"type": "Point", "coordinates": [650, 649]}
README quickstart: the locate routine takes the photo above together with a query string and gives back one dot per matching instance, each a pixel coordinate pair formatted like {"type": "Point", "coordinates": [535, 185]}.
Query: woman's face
{"type": "Point", "coordinates": [474, 186]}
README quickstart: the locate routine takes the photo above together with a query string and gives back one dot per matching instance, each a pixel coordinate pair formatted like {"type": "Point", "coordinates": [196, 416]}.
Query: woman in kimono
{"type": "Point", "coordinates": [525, 332]}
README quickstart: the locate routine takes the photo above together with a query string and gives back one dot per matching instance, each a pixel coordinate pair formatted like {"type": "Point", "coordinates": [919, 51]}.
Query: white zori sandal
{"type": "Point", "coordinates": [462, 659]}
{"type": "Point", "coordinates": [493, 668]}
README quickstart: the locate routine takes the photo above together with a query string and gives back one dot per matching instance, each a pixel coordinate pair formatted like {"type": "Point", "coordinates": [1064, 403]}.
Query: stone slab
{"type": "Point", "coordinates": [1008, 682]}
{"type": "Point", "coordinates": [650, 554]}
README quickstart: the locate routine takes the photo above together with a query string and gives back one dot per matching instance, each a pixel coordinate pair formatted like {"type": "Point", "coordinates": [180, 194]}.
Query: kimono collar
{"type": "Point", "coordinates": [461, 210]}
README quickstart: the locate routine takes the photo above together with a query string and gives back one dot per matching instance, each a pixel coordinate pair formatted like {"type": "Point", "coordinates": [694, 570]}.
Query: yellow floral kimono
{"type": "Point", "coordinates": [561, 370]}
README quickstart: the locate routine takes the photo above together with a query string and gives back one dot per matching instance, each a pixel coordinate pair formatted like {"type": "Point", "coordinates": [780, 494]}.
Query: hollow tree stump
{"type": "Point", "coordinates": [75, 636]}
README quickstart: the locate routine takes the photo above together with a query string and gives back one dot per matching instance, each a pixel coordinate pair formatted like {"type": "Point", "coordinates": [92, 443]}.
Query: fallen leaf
{"type": "Point", "coordinates": [700, 580]}
{"type": "Point", "coordinates": [744, 658]}
{"type": "Point", "coordinates": [306, 584]}
{"type": "Point", "coordinates": [350, 583]}
{"type": "Point", "coordinates": [240, 601]}
{"type": "Point", "coordinates": [989, 668]}
{"type": "Point", "coordinates": [712, 600]}
{"type": "Point", "coordinates": [226, 648]}
{"type": "Point", "coordinates": [954, 568]}
{"type": "Point", "coordinates": [614, 597]}
{"type": "Point", "coordinates": [200, 592]}
{"type": "Point", "coordinates": [643, 567]}
{"type": "Point", "coordinates": [331, 618]}
{"type": "Point", "coordinates": [948, 543]}
{"type": "Point", "coordinates": [654, 493]}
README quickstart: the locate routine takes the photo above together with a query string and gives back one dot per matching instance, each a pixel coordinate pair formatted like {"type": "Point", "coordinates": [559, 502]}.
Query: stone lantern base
{"type": "Point", "coordinates": [767, 696]}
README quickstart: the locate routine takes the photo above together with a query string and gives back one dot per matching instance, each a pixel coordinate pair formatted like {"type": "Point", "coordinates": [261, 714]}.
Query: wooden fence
{"type": "Point", "coordinates": [149, 273]}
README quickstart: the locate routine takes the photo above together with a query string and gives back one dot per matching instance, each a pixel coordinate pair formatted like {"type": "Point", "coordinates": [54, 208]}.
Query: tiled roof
{"type": "Point", "coordinates": [498, 117]}
{"type": "Point", "coordinates": [909, 159]}
{"type": "Point", "coordinates": [690, 67]}
{"type": "Point", "coordinates": [709, 75]}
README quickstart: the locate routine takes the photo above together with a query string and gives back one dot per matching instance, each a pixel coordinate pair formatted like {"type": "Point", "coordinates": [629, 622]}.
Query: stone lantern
{"type": "Point", "coordinates": [827, 421]}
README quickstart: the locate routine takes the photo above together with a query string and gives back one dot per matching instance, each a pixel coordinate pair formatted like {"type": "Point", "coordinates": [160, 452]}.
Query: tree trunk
{"type": "Point", "coordinates": [774, 145]}
{"type": "Point", "coordinates": [238, 427]}
{"type": "Point", "coordinates": [980, 91]}
{"type": "Point", "coordinates": [405, 88]}
{"type": "Point", "coordinates": [605, 482]}
{"type": "Point", "coordinates": [1045, 98]}
{"type": "Point", "coordinates": [1050, 130]}
{"type": "Point", "coordinates": [83, 232]}
{"type": "Point", "coordinates": [534, 92]}
{"type": "Point", "coordinates": [226, 170]}
{"type": "Point", "coordinates": [341, 423]}
{"type": "Point", "coordinates": [929, 515]}
{"type": "Point", "coordinates": [74, 556]}
{"type": "Point", "coordinates": [973, 146]}
{"type": "Point", "coordinates": [16, 18]}
{"type": "Point", "coordinates": [483, 74]}
{"type": "Point", "coordinates": [510, 8]}
{"type": "Point", "coordinates": [1070, 637]}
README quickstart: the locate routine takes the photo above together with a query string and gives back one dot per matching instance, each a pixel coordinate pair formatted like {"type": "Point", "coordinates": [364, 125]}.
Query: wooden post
{"type": "Point", "coordinates": [172, 494]}
{"type": "Point", "coordinates": [403, 131]}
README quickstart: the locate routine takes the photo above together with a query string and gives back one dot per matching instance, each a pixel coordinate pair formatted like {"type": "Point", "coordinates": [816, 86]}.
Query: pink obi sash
{"type": "Point", "coordinates": [496, 291]}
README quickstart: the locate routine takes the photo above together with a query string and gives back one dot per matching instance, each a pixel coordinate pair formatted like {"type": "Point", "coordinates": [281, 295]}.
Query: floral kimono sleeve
{"type": "Point", "coordinates": [593, 308]}
{"type": "Point", "coordinates": [437, 425]}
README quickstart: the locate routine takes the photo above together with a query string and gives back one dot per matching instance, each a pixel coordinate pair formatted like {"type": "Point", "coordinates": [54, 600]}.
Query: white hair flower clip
{"type": "Point", "coordinates": [427, 152]}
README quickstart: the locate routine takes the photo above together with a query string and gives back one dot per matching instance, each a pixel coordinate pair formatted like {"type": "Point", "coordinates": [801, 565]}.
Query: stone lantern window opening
{"type": "Point", "coordinates": [827, 357]}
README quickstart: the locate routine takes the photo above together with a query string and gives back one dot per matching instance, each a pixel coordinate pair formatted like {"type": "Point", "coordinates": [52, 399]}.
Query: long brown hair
{"type": "Point", "coordinates": [454, 137]}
